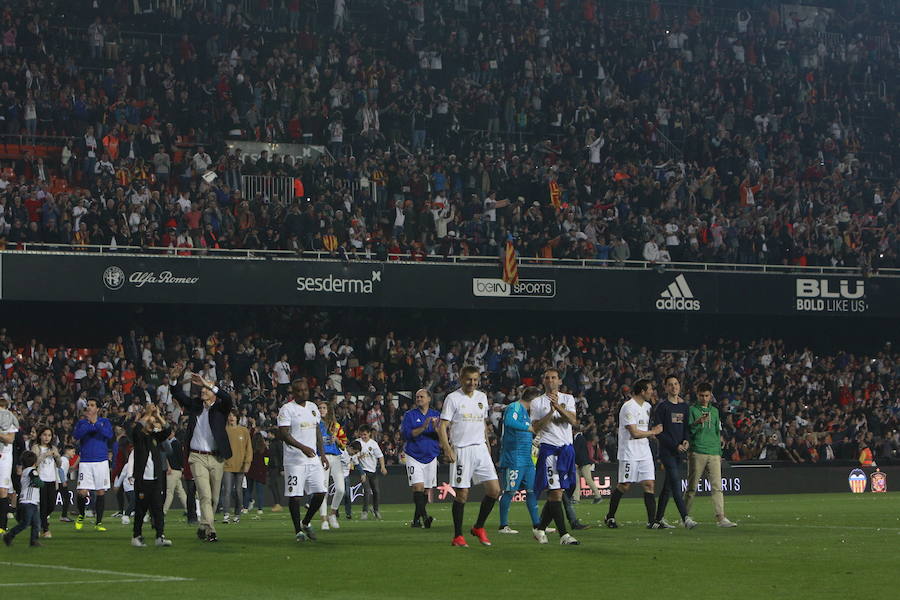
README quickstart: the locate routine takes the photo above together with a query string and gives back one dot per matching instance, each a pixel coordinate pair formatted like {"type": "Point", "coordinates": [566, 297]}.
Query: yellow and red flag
{"type": "Point", "coordinates": [555, 194]}
{"type": "Point", "coordinates": [510, 264]}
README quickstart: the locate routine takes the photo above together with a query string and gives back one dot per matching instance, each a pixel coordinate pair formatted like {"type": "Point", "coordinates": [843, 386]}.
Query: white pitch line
{"type": "Point", "coordinates": [91, 581]}
{"type": "Point", "coordinates": [142, 576]}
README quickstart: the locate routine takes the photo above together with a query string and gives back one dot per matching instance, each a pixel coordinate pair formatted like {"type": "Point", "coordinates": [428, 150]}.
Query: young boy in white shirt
{"type": "Point", "coordinates": [368, 454]}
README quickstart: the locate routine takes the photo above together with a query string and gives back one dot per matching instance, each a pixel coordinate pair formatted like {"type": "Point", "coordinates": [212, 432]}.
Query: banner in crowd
{"type": "Point", "coordinates": [108, 277]}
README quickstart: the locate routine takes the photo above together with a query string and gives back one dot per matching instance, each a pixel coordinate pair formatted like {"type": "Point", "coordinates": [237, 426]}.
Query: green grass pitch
{"type": "Point", "coordinates": [800, 546]}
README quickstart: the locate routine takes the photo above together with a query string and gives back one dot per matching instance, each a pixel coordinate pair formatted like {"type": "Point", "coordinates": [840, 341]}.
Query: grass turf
{"type": "Point", "coordinates": [799, 546]}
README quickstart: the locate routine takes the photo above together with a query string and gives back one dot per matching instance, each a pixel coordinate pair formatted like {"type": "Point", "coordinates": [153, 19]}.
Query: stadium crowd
{"type": "Point", "coordinates": [777, 403]}
{"type": "Point", "coordinates": [629, 131]}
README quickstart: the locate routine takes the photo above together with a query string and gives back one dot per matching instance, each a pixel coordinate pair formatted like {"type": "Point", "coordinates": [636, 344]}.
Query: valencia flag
{"type": "Point", "coordinates": [510, 264]}
{"type": "Point", "coordinates": [555, 194]}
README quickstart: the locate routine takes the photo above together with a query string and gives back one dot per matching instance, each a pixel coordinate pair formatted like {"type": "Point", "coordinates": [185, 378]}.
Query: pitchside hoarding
{"type": "Point", "coordinates": [149, 279]}
{"type": "Point", "coordinates": [736, 481]}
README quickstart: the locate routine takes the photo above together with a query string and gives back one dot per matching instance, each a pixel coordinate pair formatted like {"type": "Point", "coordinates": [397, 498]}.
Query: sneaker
{"type": "Point", "coordinates": [301, 536]}
{"type": "Point", "coordinates": [259, 513]}
{"type": "Point", "coordinates": [7, 539]}
{"type": "Point", "coordinates": [99, 527]}
{"type": "Point", "coordinates": [244, 511]}
{"type": "Point", "coordinates": [580, 526]}
{"type": "Point", "coordinates": [349, 516]}
{"type": "Point", "coordinates": [65, 520]}
{"type": "Point", "coordinates": [47, 535]}
{"type": "Point", "coordinates": [126, 520]}
{"type": "Point", "coordinates": [507, 529]}
{"type": "Point", "coordinates": [277, 508]}
{"type": "Point", "coordinates": [611, 522]}
{"type": "Point", "coordinates": [308, 530]}
{"type": "Point", "coordinates": [251, 505]}
{"type": "Point", "coordinates": [211, 537]}
{"type": "Point", "coordinates": [428, 521]}
{"type": "Point", "coordinates": [138, 542]}
{"type": "Point", "coordinates": [117, 514]}
{"type": "Point", "coordinates": [364, 516]}
{"type": "Point", "coordinates": [163, 541]}
{"type": "Point", "coordinates": [416, 524]}
{"type": "Point", "coordinates": [378, 515]}
{"type": "Point", "coordinates": [459, 541]}
{"type": "Point", "coordinates": [79, 523]}
{"type": "Point", "coordinates": [324, 526]}
{"type": "Point", "coordinates": [568, 540]}
{"type": "Point", "coordinates": [226, 519]}
{"type": "Point", "coordinates": [237, 519]}
{"type": "Point", "coordinates": [333, 522]}
{"type": "Point", "coordinates": [540, 535]}
{"type": "Point", "coordinates": [665, 524]}
{"type": "Point", "coordinates": [724, 522]}
{"type": "Point", "coordinates": [201, 534]}
{"type": "Point", "coordinates": [689, 523]}
{"type": "Point", "coordinates": [481, 534]}
{"type": "Point", "coordinates": [550, 530]}
{"type": "Point", "coordinates": [597, 500]}
{"type": "Point", "coordinates": [655, 525]}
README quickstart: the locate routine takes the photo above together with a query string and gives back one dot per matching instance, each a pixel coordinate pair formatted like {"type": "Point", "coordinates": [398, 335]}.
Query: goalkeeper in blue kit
{"type": "Point", "coordinates": [516, 464]}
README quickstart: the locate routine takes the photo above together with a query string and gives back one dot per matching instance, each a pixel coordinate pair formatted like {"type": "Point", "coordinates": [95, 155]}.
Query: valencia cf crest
{"type": "Point", "coordinates": [480, 406]}
{"type": "Point", "coordinates": [314, 414]}
{"type": "Point", "coordinates": [857, 480]}
{"type": "Point", "coordinates": [290, 489]}
{"type": "Point", "coordinates": [459, 480]}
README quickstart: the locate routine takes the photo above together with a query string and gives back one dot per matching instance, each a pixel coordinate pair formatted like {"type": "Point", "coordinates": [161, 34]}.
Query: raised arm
{"type": "Point", "coordinates": [82, 428]}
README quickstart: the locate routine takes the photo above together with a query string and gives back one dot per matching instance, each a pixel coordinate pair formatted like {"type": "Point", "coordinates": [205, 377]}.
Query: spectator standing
{"type": "Point", "coordinates": [236, 468]}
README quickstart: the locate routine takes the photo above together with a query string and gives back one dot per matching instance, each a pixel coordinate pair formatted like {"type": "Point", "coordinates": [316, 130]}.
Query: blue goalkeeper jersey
{"type": "Point", "coordinates": [515, 444]}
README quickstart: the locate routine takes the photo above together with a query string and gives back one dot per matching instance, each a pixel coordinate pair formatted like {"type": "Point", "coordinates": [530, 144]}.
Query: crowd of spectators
{"type": "Point", "coordinates": [777, 403]}
{"type": "Point", "coordinates": [671, 132]}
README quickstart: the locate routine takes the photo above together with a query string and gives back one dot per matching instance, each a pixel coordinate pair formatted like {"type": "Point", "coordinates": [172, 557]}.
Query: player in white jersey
{"type": "Point", "coordinates": [9, 426]}
{"type": "Point", "coordinates": [305, 463]}
{"type": "Point", "coordinates": [552, 417]}
{"type": "Point", "coordinates": [635, 457]}
{"type": "Point", "coordinates": [463, 437]}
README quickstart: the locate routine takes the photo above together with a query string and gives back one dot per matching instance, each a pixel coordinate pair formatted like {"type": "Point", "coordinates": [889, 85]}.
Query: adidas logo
{"type": "Point", "coordinates": [678, 296]}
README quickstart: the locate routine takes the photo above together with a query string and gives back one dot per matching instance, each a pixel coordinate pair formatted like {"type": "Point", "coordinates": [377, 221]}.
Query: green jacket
{"type": "Point", "coordinates": [705, 436]}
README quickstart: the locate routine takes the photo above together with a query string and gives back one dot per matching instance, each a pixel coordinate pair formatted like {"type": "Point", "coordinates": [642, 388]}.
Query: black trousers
{"type": "Point", "coordinates": [671, 486]}
{"type": "Point", "coordinates": [149, 494]}
{"type": "Point", "coordinates": [48, 503]}
{"type": "Point", "coordinates": [190, 489]}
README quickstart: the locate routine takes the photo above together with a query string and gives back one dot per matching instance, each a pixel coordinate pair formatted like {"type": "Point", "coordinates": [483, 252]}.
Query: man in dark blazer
{"type": "Point", "coordinates": [149, 474]}
{"type": "Point", "coordinates": [207, 441]}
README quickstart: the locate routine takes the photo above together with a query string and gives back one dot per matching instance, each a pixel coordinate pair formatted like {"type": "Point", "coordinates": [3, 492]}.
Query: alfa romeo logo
{"type": "Point", "coordinates": [113, 278]}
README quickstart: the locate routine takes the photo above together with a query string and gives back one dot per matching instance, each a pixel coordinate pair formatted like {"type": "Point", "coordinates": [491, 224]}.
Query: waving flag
{"type": "Point", "coordinates": [555, 194]}
{"type": "Point", "coordinates": [510, 265]}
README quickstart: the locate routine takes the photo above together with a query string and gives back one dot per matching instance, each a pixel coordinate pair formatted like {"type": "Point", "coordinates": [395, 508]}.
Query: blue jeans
{"type": "Point", "coordinates": [254, 488]}
{"type": "Point", "coordinates": [671, 486]}
{"type": "Point", "coordinates": [30, 516]}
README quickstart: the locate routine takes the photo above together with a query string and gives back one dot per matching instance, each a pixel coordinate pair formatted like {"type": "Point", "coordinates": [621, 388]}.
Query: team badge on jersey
{"type": "Point", "coordinates": [480, 406]}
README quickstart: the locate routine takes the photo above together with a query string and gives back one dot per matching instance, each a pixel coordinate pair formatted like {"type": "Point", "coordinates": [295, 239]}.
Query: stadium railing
{"type": "Point", "coordinates": [580, 263]}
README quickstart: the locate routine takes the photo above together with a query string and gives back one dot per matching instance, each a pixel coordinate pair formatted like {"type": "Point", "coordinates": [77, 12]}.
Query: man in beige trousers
{"type": "Point", "coordinates": [706, 453]}
{"type": "Point", "coordinates": [208, 443]}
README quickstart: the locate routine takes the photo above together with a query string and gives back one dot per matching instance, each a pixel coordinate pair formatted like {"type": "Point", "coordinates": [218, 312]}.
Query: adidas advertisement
{"type": "Point", "coordinates": [678, 296]}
